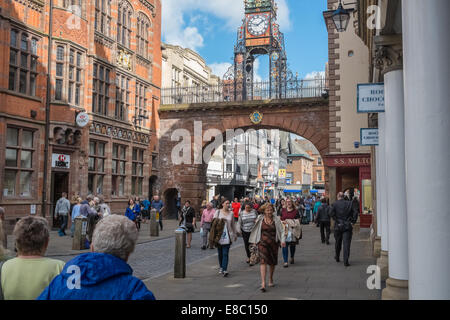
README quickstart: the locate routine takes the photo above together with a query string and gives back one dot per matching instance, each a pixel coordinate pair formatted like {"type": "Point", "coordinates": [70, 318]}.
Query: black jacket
{"type": "Point", "coordinates": [323, 213]}
{"type": "Point", "coordinates": [343, 210]}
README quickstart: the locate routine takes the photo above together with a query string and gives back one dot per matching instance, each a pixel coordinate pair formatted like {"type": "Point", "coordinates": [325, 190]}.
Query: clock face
{"type": "Point", "coordinates": [258, 24]}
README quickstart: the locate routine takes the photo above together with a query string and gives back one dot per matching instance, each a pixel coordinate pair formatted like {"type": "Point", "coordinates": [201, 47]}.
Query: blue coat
{"type": "Point", "coordinates": [130, 214]}
{"type": "Point", "coordinates": [101, 277]}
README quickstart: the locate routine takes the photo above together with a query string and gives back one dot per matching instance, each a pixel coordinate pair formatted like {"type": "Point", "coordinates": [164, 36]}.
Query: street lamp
{"type": "Point", "coordinates": [341, 17]}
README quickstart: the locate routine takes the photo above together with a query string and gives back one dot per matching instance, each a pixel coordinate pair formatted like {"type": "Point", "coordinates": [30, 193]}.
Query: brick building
{"type": "Point", "coordinates": [105, 79]}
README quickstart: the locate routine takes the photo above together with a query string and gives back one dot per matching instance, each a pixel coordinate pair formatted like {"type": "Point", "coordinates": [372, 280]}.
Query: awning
{"type": "Point", "coordinates": [292, 191]}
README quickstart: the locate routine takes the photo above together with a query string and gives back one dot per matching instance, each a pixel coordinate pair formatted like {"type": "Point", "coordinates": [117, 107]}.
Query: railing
{"type": "Point", "coordinates": [228, 91]}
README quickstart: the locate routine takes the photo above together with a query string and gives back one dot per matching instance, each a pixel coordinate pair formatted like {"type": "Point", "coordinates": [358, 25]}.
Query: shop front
{"type": "Point", "coordinates": [352, 172]}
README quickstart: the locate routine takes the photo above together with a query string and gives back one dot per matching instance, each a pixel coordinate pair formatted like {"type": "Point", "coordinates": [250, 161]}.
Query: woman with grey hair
{"type": "Point", "coordinates": [113, 241]}
{"type": "Point", "coordinates": [24, 277]}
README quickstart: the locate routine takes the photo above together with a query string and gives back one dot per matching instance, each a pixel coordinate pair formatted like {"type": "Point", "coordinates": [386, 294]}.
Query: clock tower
{"type": "Point", "coordinates": [259, 35]}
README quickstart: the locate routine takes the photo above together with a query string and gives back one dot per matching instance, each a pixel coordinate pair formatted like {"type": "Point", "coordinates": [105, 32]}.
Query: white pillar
{"type": "Point", "coordinates": [378, 191]}
{"type": "Point", "coordinates": [395, 175]}
{"type": "Point", "coordinates": [426, 47]}
{"type": "Point", "coordinates": [382, 183]}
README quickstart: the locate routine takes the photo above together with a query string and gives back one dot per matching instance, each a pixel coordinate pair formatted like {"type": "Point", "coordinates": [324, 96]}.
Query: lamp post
{"type": "Point", "coordinates": [341, 17]}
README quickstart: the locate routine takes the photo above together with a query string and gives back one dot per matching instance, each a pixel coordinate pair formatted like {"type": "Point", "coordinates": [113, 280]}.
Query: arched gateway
{"type": "Point", "coordinates": [306, 117]}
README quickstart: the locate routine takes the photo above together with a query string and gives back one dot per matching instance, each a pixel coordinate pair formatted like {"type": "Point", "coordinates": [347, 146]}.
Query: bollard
{"type": "Point", "coordinates": [154, 226]}
{"type": "Point", "coordinates": [79, 236]}
{"type": "Point", "coordinates": [180, 254]}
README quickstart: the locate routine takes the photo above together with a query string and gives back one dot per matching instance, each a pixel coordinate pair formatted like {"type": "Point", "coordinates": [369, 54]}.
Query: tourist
{"type": "Point", "coordinates": [344, 215]}
{"type": "Point", "coordinates": [324, 221]}
{"type": "Point", "coordinates": [290, 216]}
{"type": "Point", "coordinates": [103, 273]}
{"type": "Point", "coordinates": [188, 221]}
{"type": "Point", "coordinates": [158, 205]}
{"type": "Point", "coordinates": [137, 210]}
{"type": "Point", "coordinates": [317, 204]}
{"type": "Point", "coordinates": [92, 215]}
{"type": "Point", "coordinates": [24, 277]}
{"type": "Point", "coordinates": [247, 220]}
{"type": "Point", "coordinates": [62, 210]}
{"type": "Point", "coordinates": [236, 206]}
{"type": "Point", "coordinates": [205, 223]}
{"type": "Point", "coordinates": [281, 205]}
{"type": "Point", "coordinates": [229, 235]}
{"type": "Point", "coordinates": [308, 212]}
{"type": "Point", "coordinates": [75, 214]}
{"type": "Point", "coordinates": [145, 210]}
{"type": "Point", "coordinates": [267, 234]}
{"type": "Point", "coordinates": [131, 214]}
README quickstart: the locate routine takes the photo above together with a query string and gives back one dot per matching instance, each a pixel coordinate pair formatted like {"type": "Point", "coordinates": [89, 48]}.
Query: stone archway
{"type": "Point", "coordinates": [308, 118]}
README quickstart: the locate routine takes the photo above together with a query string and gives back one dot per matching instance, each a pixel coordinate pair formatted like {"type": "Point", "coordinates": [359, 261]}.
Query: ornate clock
{"type": "Point", "coordinates": [258, 24]}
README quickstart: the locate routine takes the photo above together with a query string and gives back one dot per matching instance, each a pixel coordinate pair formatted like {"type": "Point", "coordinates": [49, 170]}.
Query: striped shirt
{"type": "Point", "coordinates": [247, 220]}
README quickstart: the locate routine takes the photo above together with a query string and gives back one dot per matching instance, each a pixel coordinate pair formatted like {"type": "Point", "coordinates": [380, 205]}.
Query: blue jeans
{"type": "Point", "coordinates": [223, 256]}
{"type": "Point", "coordinates": [63, 224]}
{"type": "Point", "coordinates": [286, 252]}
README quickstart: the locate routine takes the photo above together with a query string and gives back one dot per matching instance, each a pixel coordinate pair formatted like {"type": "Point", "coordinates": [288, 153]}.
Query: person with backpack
{"type": "Point", "coordinates": [324, 221]}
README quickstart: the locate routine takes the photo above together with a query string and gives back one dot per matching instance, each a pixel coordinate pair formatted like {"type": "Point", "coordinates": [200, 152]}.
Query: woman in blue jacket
{"type": "Point", "coordinates": [102, 274]}
{"type": "Point", "coordinates": [130, 213]}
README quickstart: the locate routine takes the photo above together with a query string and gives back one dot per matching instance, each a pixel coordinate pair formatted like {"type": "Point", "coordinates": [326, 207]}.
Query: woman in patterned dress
{"type": "Point", "coordinates": [268, 233]}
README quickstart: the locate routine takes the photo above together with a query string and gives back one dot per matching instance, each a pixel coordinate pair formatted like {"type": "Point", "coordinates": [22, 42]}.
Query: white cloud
{"type": "Point", "coordinates": [219, 69]}
{"type": "Point", "coordinates": [314, 75]}
{"type": "Point", "coordinates": [179, 32]}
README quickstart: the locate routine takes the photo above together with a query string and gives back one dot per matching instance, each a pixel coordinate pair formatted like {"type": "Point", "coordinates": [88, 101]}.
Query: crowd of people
{"type": "Point", "coordinates": [264, 224]}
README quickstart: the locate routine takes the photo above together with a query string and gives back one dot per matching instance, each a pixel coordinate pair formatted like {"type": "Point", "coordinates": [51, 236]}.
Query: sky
{"type": "Point", "coordinates": [209, 27]}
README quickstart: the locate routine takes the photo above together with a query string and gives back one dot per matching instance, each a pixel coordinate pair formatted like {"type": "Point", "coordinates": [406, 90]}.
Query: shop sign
{"type": "Point", "coordinates": [282, 173]}
{"type": "Point", "coordinates": [60, 161]}
{"type": "Point", "coordinates": [33, 209]}
{"type": "Point", "coordinates": [369, 137]}
{"type": "Point", "coordinates": [370, 97]}
{"type": "Point", "coordinates": [355, 161]}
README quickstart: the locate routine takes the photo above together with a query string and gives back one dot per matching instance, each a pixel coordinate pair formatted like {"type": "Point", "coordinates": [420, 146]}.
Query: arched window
{"type": "Point", "coordinates": [124, 23]}
{"type": "Point", "coordinates": [143, 27]}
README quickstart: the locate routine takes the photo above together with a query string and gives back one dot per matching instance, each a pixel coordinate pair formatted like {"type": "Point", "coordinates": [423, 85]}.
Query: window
{"type": "Point", "coordinates": [18, 162]}
{"type": "Point", "coordinates": [141, 103]}
{"type": "Point", "coordinates": [100, 94]}
{"type": "Point", "coordinates": [73, 74]}
{"type": "Point", "coordinates": [22, 63]}
{"type": "Point", "coordinates": [124, 23]}
{"type": "Point", "coordinates": [137, 172]}
{"type": "Point", "coordinates": [102, 19]}
{"type": "Point", "coordinates": [119, 161]}
{"type": "Point", "coordinates": [122, 97]}
{"type": "Point", "coordinates": [75, 77]}
{"type": "Point", "coordinates": [319, 160]}
{"type": "Point", "coordinates": [143, 27]}
{"type": "Point", "coordinates": [319, 175]}
{"type": "Point", "coordinates": [96, 166]}
{"type": "Point", "coordinates": [176, 73]}
{"type": "Point", "coordinates": [59, 72]}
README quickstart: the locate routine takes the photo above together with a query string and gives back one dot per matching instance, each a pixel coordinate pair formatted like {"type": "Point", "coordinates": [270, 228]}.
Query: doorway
{"type": "Point", "coordinates": [60, 184]}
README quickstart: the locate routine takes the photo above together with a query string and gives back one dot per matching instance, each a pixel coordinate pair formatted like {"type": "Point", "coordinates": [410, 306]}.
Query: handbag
{"type": "Point", "coordinates": [225, 238]}
{"type": "Point", "coordinates": [254, 254]}
{"type": "Point", "coordinates": [289, 236]}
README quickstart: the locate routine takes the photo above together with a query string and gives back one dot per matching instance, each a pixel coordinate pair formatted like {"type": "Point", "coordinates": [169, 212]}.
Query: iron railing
{"type": "Point", "coordinates": [228, 91]}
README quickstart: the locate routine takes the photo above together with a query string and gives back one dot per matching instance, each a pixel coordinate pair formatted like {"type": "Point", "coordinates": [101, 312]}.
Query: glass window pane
{"type": "Point", "coordinates": [58, 90]}
{"type": "Point", "coordinates": [9, 184]}
{"type": "Point", "coordinates": [79, 60]}
{"type": "Point", "coordinates": [26, 159]}
{"type": "Point", "coordinates": [12, 136]}
{"type": "Point", "coordinates": [78, 75]}
{"type": "Point", "coordinates": [24, 60]}
{"type": "Point", "coordinates": [13, 41]}
{"type": "Point", "coordinates": [141, 155]}
{"type": "Point", "coordinates": [99, 189]}
{"type": "Point", "coordinates": [122, 153]}
{"type": "Point", "coordinates": [72, 57]}
{"type": "Point", "coordinates": [25, 183]}
{"type": "Point", "coordinates": [133, 169]}
{"type": "Point", "coordinates": [121, 167]}
{"type": "Point", "coordinates": [33, 63]}
{"type": "Point", "coordinates": [34, 46]}
{"type": "Point", "coordinates": [11, 158]}
{"type": "Point", "coordinates": [27, 139]}
{"type": "Point", "coordinates": [59, 69]}
{"type": "Point", "coordinates": [77, 95]}
{"type": "Point", "coordinates": [13, 57]}
{"type": "Point", "coordinates": [121, 186]}
{"type": "Point", "coordinates": [92, 148]}
{"type": "Point", "coordinates": [60, 53]}
{"type": "Point", "coordinates": [140, 186]}
{"type": "Point", "coordinates": [101, 149]}
{"type": "Point", "coordinates": [100, 165]}
{"type": "Point", "coordinates": [23, 82]}
{"type": "Point", "coordinates": [91, 165]}
{"type": "Point", "coordinates": [71, 73]}
{"type": "Point", "coordinates": [12, 79]}
{"type": "Point", "coordinates": [115, 153]}
{"type": "Point", "coordinates": [95, 70]}
{"type": "Point", "coordinates": [71, 93]}
{"type": "Point", "coordinates": [114, 167]}
{"type": "Point", "coordinates": [91, 183]}
{"type": "Point", "coordinates": [24, 42]}
{"type": "Point", "coordinates": [133, 185]}
{"type": "Point", "coordinates": [134, 154]}
{"type": "Point", "coordinates": [141, 170]}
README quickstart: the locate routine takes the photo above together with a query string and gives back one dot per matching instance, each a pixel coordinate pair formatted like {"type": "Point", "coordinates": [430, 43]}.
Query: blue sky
{"type": "Point", "coordinates": [209, 27]}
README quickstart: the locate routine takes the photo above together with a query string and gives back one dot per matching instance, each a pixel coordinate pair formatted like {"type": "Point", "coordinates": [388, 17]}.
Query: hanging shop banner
{"type": "Point", "coordinates": [61, 161]}
{"type": "Point", "coordinates": [369, 137]}
{"type": "Point", "coordinates": [282, 173]}
{"type": "Point", "coordinates": [370, 97]}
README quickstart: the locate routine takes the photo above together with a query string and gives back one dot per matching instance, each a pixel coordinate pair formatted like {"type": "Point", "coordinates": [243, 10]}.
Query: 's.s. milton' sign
{"type": "Point", "coordinates": [61, 161]}
{"type": "Point", "coordinates": [348, 161]}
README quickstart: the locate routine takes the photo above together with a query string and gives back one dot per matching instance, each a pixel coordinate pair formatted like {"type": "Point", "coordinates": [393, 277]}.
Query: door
{"type": "Point", "coordinates": [60, 184]}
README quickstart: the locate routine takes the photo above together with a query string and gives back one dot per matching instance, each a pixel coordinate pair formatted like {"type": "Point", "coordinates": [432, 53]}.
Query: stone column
{"type": "Point", "coordinates": [382, 208]}
{"type": "Point", "coordinates": [332, 184]}
{"type": "Point", "coordinates": [377, 216]}
{"type": "Point", "coordinates": [397, 284]}
{"type": "Point", "coordinates": [427, 130]}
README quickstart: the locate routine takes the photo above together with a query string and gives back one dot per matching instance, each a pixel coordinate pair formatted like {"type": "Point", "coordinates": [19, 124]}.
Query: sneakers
{"type": "Point", "coordinates": [203, 247]}
{"type": "Point", "coordinates": [285, 265]}
{"type": "Point", "coordinates": [225, 274]}
{"type": "Point", "coordinates": [336, 258]}
{"type": "Point", "coordinates": [292, 260]}
{"type": "Point", "coordinates": [220, 271]}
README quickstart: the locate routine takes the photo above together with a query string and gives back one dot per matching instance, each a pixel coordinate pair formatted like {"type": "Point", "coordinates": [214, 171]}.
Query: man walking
{"type": "Point", "coordinates": [62, 210]}
{"type": "Point", "coordinates": [344, 215]}
{"type": "Point", "coordinates": [323, 219]}
{"type": "Point", "coordinates": [158, 205]}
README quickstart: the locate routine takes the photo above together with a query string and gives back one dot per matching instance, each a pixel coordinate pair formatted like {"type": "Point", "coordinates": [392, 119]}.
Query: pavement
{"type": "Point", "coordinates": [314, 276]}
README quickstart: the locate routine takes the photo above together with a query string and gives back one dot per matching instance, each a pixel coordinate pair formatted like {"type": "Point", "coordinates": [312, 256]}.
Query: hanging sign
{"type": "Point", "coordinates": [370, 98]}
{"type": "Point", "coordinates": [369, 137]}
{"type": "Point", "coordinates": [82, 119]}
{"type": "Point", "coordinates": [61, 161]}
